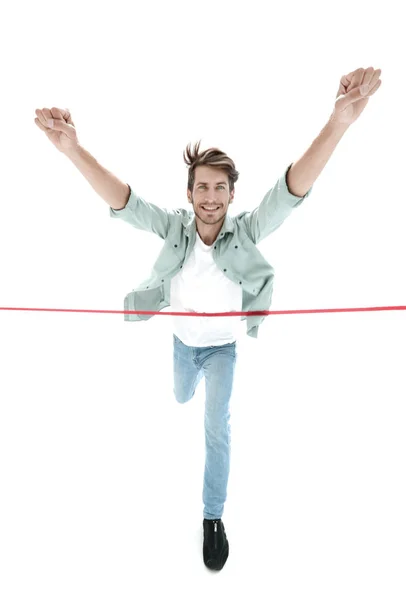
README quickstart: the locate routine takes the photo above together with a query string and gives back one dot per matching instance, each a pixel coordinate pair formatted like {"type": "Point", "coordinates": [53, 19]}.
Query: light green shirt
{"type": "Point", "coordinates": [234, 250]}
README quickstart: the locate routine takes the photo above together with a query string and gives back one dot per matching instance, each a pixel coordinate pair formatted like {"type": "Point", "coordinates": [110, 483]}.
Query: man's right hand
{"type": "Point", "coordinates": [62, 133]}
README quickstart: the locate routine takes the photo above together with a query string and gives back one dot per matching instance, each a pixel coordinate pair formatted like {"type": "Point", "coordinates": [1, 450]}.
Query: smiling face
{"type": "Point", "coordinates": [211, 190]}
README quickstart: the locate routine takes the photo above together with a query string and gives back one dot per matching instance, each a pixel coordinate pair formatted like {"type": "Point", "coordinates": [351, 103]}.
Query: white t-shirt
{"type": "Point", "coordinates": [200, 286]}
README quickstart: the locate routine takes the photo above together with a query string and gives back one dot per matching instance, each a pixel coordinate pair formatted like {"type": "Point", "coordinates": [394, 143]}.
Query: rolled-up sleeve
{"type": "Point", "coordinates": [143, 215]}
{"type": "Point", "coordinates": [276, 206]}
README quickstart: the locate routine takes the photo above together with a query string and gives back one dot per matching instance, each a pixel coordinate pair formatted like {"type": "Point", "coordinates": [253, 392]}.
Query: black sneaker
{"type": "Point", "coordinates": [215, 544]}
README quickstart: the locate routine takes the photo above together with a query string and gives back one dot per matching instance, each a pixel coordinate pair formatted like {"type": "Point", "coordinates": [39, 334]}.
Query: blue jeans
{"type": "Point", "coordinates": [217, 364]}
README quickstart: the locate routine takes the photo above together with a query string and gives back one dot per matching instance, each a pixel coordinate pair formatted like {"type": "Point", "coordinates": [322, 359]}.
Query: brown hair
{"type": "Point", "coordinates": [213, 157]}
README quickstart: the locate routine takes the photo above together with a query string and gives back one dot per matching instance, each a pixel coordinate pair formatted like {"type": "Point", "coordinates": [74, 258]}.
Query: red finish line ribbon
{"type": "Point", "coordinates": [226, 314]}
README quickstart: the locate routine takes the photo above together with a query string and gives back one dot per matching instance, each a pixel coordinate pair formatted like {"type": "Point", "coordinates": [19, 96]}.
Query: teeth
{"type": "Point", "coordinates": [210, 209]}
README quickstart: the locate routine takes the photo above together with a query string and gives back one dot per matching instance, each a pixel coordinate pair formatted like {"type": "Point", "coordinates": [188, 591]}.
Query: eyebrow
{"type": "Point", "coordinates": [205, 182]}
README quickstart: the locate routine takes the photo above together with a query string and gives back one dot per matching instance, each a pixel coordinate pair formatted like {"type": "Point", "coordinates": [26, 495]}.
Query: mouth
{"type": "Point", "coordinates": [210, 211]}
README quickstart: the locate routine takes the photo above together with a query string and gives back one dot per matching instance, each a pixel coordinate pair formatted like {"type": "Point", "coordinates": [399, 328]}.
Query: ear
{"type": "Point", "coordinates": [232, 196]}
{"type": "Point", "coordinates": [189, 196]}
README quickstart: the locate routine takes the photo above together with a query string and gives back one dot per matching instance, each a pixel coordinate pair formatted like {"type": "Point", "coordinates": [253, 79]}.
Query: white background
{"type": "Point", "coordinates": [101, 471]}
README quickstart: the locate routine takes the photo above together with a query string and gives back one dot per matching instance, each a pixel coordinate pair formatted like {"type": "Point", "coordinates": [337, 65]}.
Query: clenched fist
{"type": "Point", "coordinates": [59, 128]}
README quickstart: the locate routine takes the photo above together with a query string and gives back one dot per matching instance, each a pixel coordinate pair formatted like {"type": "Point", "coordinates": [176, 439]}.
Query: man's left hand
{"type": "Point", "coordinates": [350, 101]}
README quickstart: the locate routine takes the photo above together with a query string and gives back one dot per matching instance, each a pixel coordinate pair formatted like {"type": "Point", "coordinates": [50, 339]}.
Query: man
{"type": "Point", "coordinates": [210, 262]}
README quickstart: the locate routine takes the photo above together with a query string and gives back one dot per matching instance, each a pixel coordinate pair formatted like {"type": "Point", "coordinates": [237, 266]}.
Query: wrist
{"type": "Point", "coordinates": [74, 153]}
{"type": "Point", "coordinates": [335, 128]}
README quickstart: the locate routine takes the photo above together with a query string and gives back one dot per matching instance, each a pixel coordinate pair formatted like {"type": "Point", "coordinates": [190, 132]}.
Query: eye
{"type": "Point", "coordinates": [203, 186]}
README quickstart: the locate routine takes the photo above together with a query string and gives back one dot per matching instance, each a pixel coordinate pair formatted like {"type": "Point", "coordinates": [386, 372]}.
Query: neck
{"type": "Point", "coordinates": [209, 236]}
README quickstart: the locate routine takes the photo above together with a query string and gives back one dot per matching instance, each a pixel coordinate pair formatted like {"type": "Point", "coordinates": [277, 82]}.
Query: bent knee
{"type": "Point", "coordinates": [182, 398]}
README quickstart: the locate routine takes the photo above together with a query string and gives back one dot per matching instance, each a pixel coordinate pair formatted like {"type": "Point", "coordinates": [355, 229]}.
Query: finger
{"type": "Point", "coordinates": [356, 79]}
{"type": "Point", "coordinates": [375, 88]}
{"type": "Point", "coordinates": [349, 98]}
{"type": "Point", "coordinates": [346, 80]}
{"type": "Point", "coordinates": [368, 74]}
{"type": "Point", "coordinates": [47, 114]}
{"type": "Point", "coordinates": [369, 77]}
{"type": "Point", "coordinates": [342, 87]}
{"type": "Point", "coordinates": [60, 125]}
{"type": "Point", "coordinates": [62, 113]}
{"type": "Point", "coordinates": [345, 83]}
{"type": "Point", "coordinates": [68, 117]}
{"type": "Point", "coordinates": [375, 78]}
{"type": "Point", "coordinates": [40, 125]}
{"type": "Point", "coordinates": [41, 116]}
{"type": "Point", "coordinates": [57, 113]}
